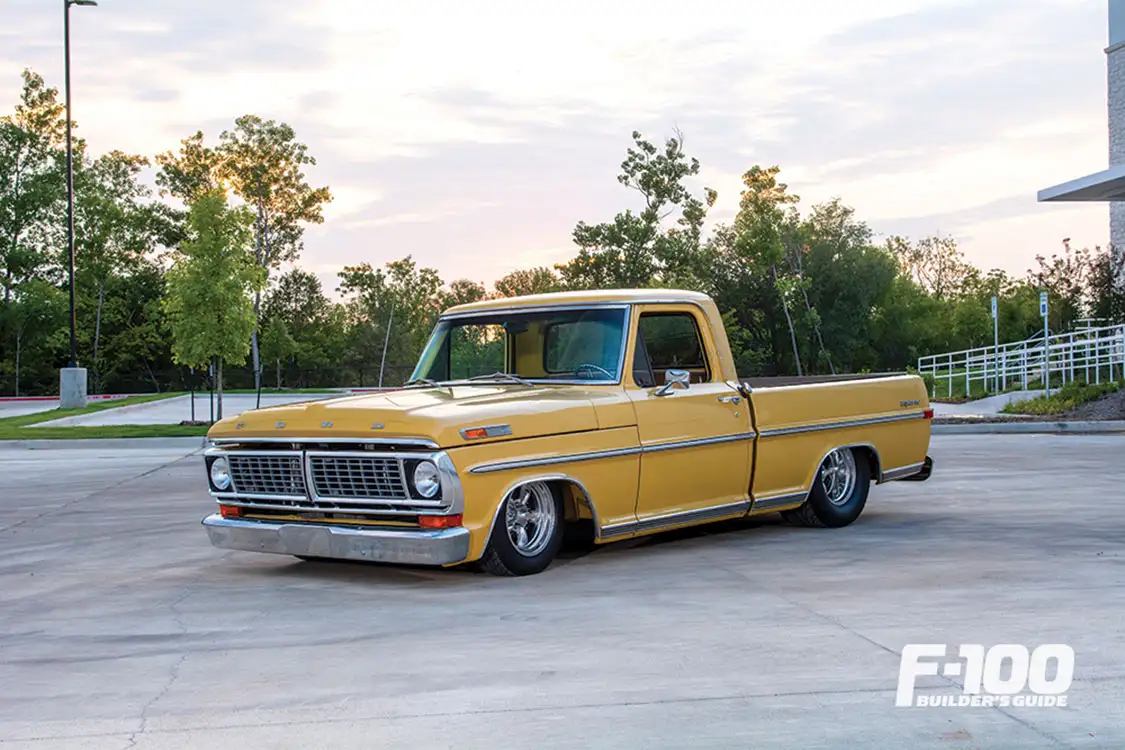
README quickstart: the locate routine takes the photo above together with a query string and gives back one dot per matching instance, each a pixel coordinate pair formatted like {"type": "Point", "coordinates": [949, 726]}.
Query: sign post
{"type": "Point", "coordinates": [1046, 343]}
{"type": "Point", "coordinates": [996, 341]}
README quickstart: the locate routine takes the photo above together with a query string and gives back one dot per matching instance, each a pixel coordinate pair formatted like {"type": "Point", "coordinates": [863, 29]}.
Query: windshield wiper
{"type": "Point", "coordinates": [503, 376]}
{"type": "Point", "coordinates": [422, 381]}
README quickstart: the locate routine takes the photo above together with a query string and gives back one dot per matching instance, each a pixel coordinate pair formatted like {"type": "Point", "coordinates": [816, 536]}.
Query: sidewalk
{"type": "Point", "coordinates": [983, 407]}
{"type": "Point", "coordinates": [178, 409]}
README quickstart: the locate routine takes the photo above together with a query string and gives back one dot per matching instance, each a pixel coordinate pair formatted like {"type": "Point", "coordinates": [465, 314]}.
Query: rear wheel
{"type": "Point", "coordinates": [528, 531]}
{"type": "Point", "coordinates": [839, 491]}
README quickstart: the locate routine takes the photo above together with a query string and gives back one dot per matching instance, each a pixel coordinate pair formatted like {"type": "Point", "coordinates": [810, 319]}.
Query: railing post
{"type": "Point", "coordinates": [967, 392]}
{"type": "Point", "coordinates": [950, 373]}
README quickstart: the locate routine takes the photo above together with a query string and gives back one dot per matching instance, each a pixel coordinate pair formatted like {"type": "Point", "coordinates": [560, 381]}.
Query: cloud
{"type": "Point", "coordinates": [475, 136]}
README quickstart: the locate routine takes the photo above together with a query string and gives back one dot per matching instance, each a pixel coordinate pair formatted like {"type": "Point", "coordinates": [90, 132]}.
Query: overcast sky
{"type": "Point", "coordinates": [474, 135]}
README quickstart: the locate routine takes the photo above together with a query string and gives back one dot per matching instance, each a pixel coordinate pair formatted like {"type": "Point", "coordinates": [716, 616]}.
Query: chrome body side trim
{"type": "Point", "coordinates": [902, 472]}
{"type": "Point", "coordinates": [656, 523]}
{"type": "Point", "coordinates": [777, 432]}
{"type": "Point", "coordinates": [677, 444]}
{"type": "Point", "coordinates": [527, 463]}
{"type": "Point", "coordinates": [778, 502]}
{"type": "Point", "coordinates": [408, 546]}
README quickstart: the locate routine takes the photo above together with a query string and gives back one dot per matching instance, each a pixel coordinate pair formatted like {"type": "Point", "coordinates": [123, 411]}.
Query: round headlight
{"type": "Point", "coordinates": [220, 474]}
{"type": "Point", "coordinates": [426, 479]}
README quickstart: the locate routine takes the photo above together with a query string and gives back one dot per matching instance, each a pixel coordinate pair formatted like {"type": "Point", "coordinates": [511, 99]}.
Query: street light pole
{"type": "Point", "coordinates": [72, 382]}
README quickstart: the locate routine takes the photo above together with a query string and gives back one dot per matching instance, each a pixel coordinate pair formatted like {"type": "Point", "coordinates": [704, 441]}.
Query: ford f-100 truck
{"type": "Point", "coordinates": [617, 410]}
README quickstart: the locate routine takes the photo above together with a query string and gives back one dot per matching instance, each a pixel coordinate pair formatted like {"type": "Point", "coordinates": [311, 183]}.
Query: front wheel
{"type": "Point", "coordinates": [528, 531]}
{"type": "Point", "coordinates": [839, 491]}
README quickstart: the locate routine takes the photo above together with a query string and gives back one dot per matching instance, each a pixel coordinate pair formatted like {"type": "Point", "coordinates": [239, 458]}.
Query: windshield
{"type": "Point", "coordinates": [558, 345]}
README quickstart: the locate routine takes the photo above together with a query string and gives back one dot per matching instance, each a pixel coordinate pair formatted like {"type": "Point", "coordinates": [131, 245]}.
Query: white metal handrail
{"type": "Point", "coordinates": [1090, 355]}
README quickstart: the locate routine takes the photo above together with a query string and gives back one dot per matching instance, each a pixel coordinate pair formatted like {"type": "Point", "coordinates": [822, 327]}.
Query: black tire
{"type": "Point", "coordinates": [501, 558]}
{"type": "Point", "coordinates": [817, 511]}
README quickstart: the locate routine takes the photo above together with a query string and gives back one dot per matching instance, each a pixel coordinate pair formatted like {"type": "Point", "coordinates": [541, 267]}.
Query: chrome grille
{"type": "Point", "coordinates": [357, 477]}
{"type": "Point", "coordinates": [267, 475]}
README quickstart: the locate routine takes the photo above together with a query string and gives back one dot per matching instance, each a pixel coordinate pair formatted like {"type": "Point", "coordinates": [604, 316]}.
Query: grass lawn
{"type": "Point", "coordinates": [1068, 397]}
{"type": "Point", "coordinates": [13, 428]}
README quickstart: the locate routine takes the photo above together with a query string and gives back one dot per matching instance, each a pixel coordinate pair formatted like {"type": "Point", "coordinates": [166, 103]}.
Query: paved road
{"type": "Point", "coordinates": [121, 627]}
{"type": "Point", "coordinates": [178, 409]}
{"type": "Point", "coordinates": [20, 408]}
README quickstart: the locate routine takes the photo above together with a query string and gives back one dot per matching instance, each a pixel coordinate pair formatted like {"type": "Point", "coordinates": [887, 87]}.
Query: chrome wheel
{"type": "Point", "coordinates": [530, 518]}
{"type": "Point", "coordinates": [838, 475]}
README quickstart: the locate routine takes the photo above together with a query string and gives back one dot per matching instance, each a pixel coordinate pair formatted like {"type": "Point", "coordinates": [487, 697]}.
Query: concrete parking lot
{"type": "Point", "coordinates": [120, 626]}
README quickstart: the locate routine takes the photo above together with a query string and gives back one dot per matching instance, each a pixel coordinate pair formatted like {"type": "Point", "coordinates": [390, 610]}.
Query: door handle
{"type": "Point", "coordinates": [730, 400]}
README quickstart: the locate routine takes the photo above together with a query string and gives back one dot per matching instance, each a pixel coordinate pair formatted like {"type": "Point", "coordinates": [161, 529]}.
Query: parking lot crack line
{"type": "Point", "coordinates": [71, 503]}
{"type": "Point", "coordinates": [174, 673]}
{"type": "Point", "coordinates": [834, 621]}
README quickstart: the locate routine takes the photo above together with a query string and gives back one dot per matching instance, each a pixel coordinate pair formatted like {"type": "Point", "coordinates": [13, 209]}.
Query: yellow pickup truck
{"type": "Point", "coordinates": [617, 411]}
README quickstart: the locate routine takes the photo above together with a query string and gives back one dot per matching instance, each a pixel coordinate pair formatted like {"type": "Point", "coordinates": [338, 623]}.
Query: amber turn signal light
{"type": "Point", "coordinates": [439, 522]}
{"type": "Point", "coordinates": [230, 511]}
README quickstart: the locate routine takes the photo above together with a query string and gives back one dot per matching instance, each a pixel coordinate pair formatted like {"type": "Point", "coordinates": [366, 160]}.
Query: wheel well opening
{"type": "Point", "coordinates": [867, 452]}
{"type": "Point", "coordinates": [577, 505]}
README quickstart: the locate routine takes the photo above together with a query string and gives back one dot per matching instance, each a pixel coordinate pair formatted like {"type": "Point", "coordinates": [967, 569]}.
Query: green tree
{"type": "Point", "coordinates": [402, 297]}
{"type": "Point", "coordinates": [763, 231]}
{"type": "Point", "coordinates": [36, 310]}
{"type": "Point", "coordinates": [642, 249]}
{"type": "Point", "coordinates": [935, 263]}
{"type": "Point", "coordinates": [114, 228]}
{"type": "Point", "coordinates": [525, 281]}
{"type": "Point", "coordinates": [192, 172]}
{"type": "Point", "coordinates": [31, 182]}
{"type": "Point", "coordinates": [277, 344]}
{"type": "Point", "coordinates": [211, 286]}
{"type": "Point", "coordinates": [264, 164]}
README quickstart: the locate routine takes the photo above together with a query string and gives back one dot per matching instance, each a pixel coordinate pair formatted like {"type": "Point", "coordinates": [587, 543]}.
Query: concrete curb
{"type": "Point", "coordinates": [187, 444]}
{"type": "Point", "coordinates": [1031, 428]}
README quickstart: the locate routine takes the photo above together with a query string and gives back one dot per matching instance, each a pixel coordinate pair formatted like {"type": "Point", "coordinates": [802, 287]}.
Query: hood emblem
{"type": "Point", "coordinates": [378, 426]}
{"type": "Point", "coordinates": [326, 425]}
{"type": "Point", "coordinates": [279, 426]}
{"type": "Point", "coordinates": [240, 425]}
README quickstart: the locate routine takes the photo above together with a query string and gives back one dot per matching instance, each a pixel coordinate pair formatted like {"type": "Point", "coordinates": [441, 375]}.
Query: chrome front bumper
{"type": "Point", "coordinates": [411, 547]}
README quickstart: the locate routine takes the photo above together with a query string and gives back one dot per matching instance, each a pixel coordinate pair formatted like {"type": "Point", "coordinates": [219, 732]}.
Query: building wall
{"type": "Point", "coordinates": [1115, 74]}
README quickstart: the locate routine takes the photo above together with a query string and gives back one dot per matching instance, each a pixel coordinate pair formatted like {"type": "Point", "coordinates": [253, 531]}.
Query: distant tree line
{"type": "Point", "coordinates": [173, 281]}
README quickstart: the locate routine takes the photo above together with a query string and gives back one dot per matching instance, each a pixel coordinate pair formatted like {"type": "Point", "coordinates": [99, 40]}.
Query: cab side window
{"type": "Point", "coordinates": [668, 341]}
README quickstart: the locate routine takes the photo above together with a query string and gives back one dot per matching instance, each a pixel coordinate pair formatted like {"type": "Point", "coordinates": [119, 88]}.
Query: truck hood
{"type": "Point", "coordinates": [436, 414]}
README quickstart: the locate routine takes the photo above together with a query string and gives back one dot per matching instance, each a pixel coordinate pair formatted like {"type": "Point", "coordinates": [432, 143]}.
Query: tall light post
{"type": "Point", "coordinates": [72, 380]}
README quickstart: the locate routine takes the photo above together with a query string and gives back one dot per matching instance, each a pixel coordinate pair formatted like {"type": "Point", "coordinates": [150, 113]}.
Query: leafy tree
{"type": "Point", "coordinates": [935, 263]}
{"type": "Point", "coordinates": [764, 229]}
{"type": "Point", "coordinates": [192, 173]}
{"type": "Point", "coordinates": [209, 303]}
{"type": "Point", "coordinates": [402, 297]}
{"type": "Point", "coordinates": [37, 309]}
{"type": "Point", "coordinates": [525, 281]}
{"type": "Point", "coordinates": [461, 292]}
{"type": "Point", "coordinates": [636, 249]}
{"type": "Point", "coordinates": [114, 227]}
{"type": "Point", "coordinates": [31, 184]}
{"type": "Point", "coordinates": [277, 344]}
{"type": "Point", "coordinates": [1105, 278]}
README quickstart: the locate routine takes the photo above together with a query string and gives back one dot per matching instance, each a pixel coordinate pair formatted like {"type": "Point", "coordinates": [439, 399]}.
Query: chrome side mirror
{"type": "Point", "coordinates": [674, 379]}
